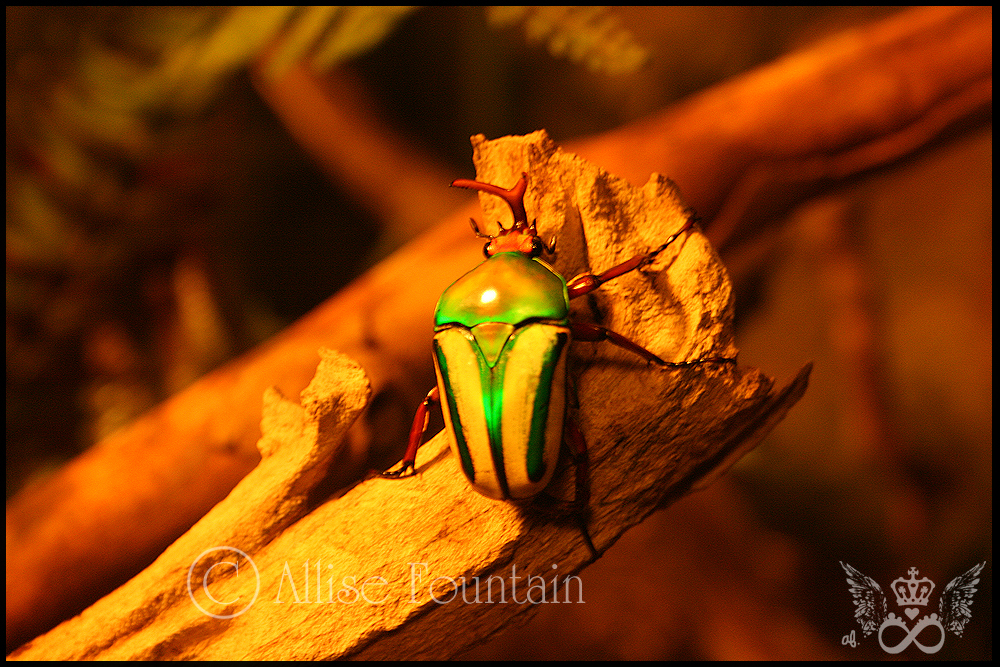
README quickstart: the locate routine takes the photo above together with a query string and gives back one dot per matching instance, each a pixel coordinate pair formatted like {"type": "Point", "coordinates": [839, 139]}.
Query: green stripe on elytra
{"type": "Point", "coordinates": [492, 379]}
{"type": "Point", "coordinates": [540, 413]}
{"type": "Point", "coordinates": [457, 430]}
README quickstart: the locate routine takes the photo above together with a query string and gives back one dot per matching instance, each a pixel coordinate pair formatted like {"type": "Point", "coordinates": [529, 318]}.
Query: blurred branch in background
{"type": "Point", "coordinates": [134, 149]}
{"type": "Point", "coordinates": [127, 183]}
{"type": "Point", "coordinates": [133, 199]}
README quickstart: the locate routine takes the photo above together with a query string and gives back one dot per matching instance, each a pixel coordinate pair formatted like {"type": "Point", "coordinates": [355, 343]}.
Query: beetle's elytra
{"type": "Point", "coordinates": [502, 335]}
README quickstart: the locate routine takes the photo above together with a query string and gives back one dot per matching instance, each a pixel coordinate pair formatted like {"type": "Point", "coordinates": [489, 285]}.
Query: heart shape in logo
{"type": "Point", "coordinates": [911, 612]}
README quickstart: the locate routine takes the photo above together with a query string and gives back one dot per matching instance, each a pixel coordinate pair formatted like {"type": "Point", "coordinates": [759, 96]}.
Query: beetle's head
{"type": "Point", "coordinates": [521, 236]}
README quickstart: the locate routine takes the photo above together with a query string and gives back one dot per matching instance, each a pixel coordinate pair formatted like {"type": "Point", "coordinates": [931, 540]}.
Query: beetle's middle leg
{"type": "Point", "coordinates": [596, 333]}
{"type": "Point", "coordinates": [417, 430]}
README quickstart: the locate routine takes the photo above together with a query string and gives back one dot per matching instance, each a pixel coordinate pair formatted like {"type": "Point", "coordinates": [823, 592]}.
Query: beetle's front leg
{"type": "Point", "coordinates": [417, 430]}
{"type": "Point", "coordinates": [585, 283]}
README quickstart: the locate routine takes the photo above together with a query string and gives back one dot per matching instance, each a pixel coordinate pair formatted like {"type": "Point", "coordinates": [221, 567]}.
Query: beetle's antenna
{"type": "Point", "coordinates": [514, 197]}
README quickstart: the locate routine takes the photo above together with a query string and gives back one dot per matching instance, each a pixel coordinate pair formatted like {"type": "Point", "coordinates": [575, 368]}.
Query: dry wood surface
{"type": "Point", "coordinates": [741, 152]}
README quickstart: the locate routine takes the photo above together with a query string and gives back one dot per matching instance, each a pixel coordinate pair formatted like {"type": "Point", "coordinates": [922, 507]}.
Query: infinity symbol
{"type": "Point", "coordinates": [911, 635]}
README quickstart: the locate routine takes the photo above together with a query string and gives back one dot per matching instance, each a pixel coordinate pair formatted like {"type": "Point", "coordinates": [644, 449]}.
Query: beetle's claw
{"type": "Point", "coordinates": [405, 470]}
{"type": "Point", "coordinates": [693, 362]}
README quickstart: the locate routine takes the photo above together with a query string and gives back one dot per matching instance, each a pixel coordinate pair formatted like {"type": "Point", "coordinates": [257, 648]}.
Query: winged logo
{"type": "Point", "coordinates": [956, 600]}
{"type": "Point", "coordinates": [871, 606]}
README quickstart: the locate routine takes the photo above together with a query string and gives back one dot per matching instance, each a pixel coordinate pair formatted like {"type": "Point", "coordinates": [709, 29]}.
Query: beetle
{"type": "Point", "coordinates": [502, 336]}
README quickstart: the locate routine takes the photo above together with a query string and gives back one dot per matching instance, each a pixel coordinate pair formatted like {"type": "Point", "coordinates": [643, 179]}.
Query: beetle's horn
{"type": "Point", "coordinates": [514, 197]}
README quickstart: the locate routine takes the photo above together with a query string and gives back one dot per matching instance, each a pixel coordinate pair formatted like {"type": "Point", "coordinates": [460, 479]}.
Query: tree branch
{"type": "Point", "coordinates": [654, 434]}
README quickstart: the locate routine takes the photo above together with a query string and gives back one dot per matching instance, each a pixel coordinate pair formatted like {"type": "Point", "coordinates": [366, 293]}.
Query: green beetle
{"type": "Point", "coordinates": [502, 336]}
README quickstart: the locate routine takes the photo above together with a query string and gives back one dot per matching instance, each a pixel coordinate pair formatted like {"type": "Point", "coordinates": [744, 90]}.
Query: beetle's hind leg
{"type": "Point", "coordinates": [581, 499]}
{"type": "Point", "coordinates": [578, 510]}
{"type": "Point", "coordinates": [406, 466]}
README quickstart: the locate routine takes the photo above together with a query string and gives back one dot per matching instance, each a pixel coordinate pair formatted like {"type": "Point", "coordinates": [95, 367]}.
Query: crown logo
{"type": "Point", "coordinates": [912, 591]}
